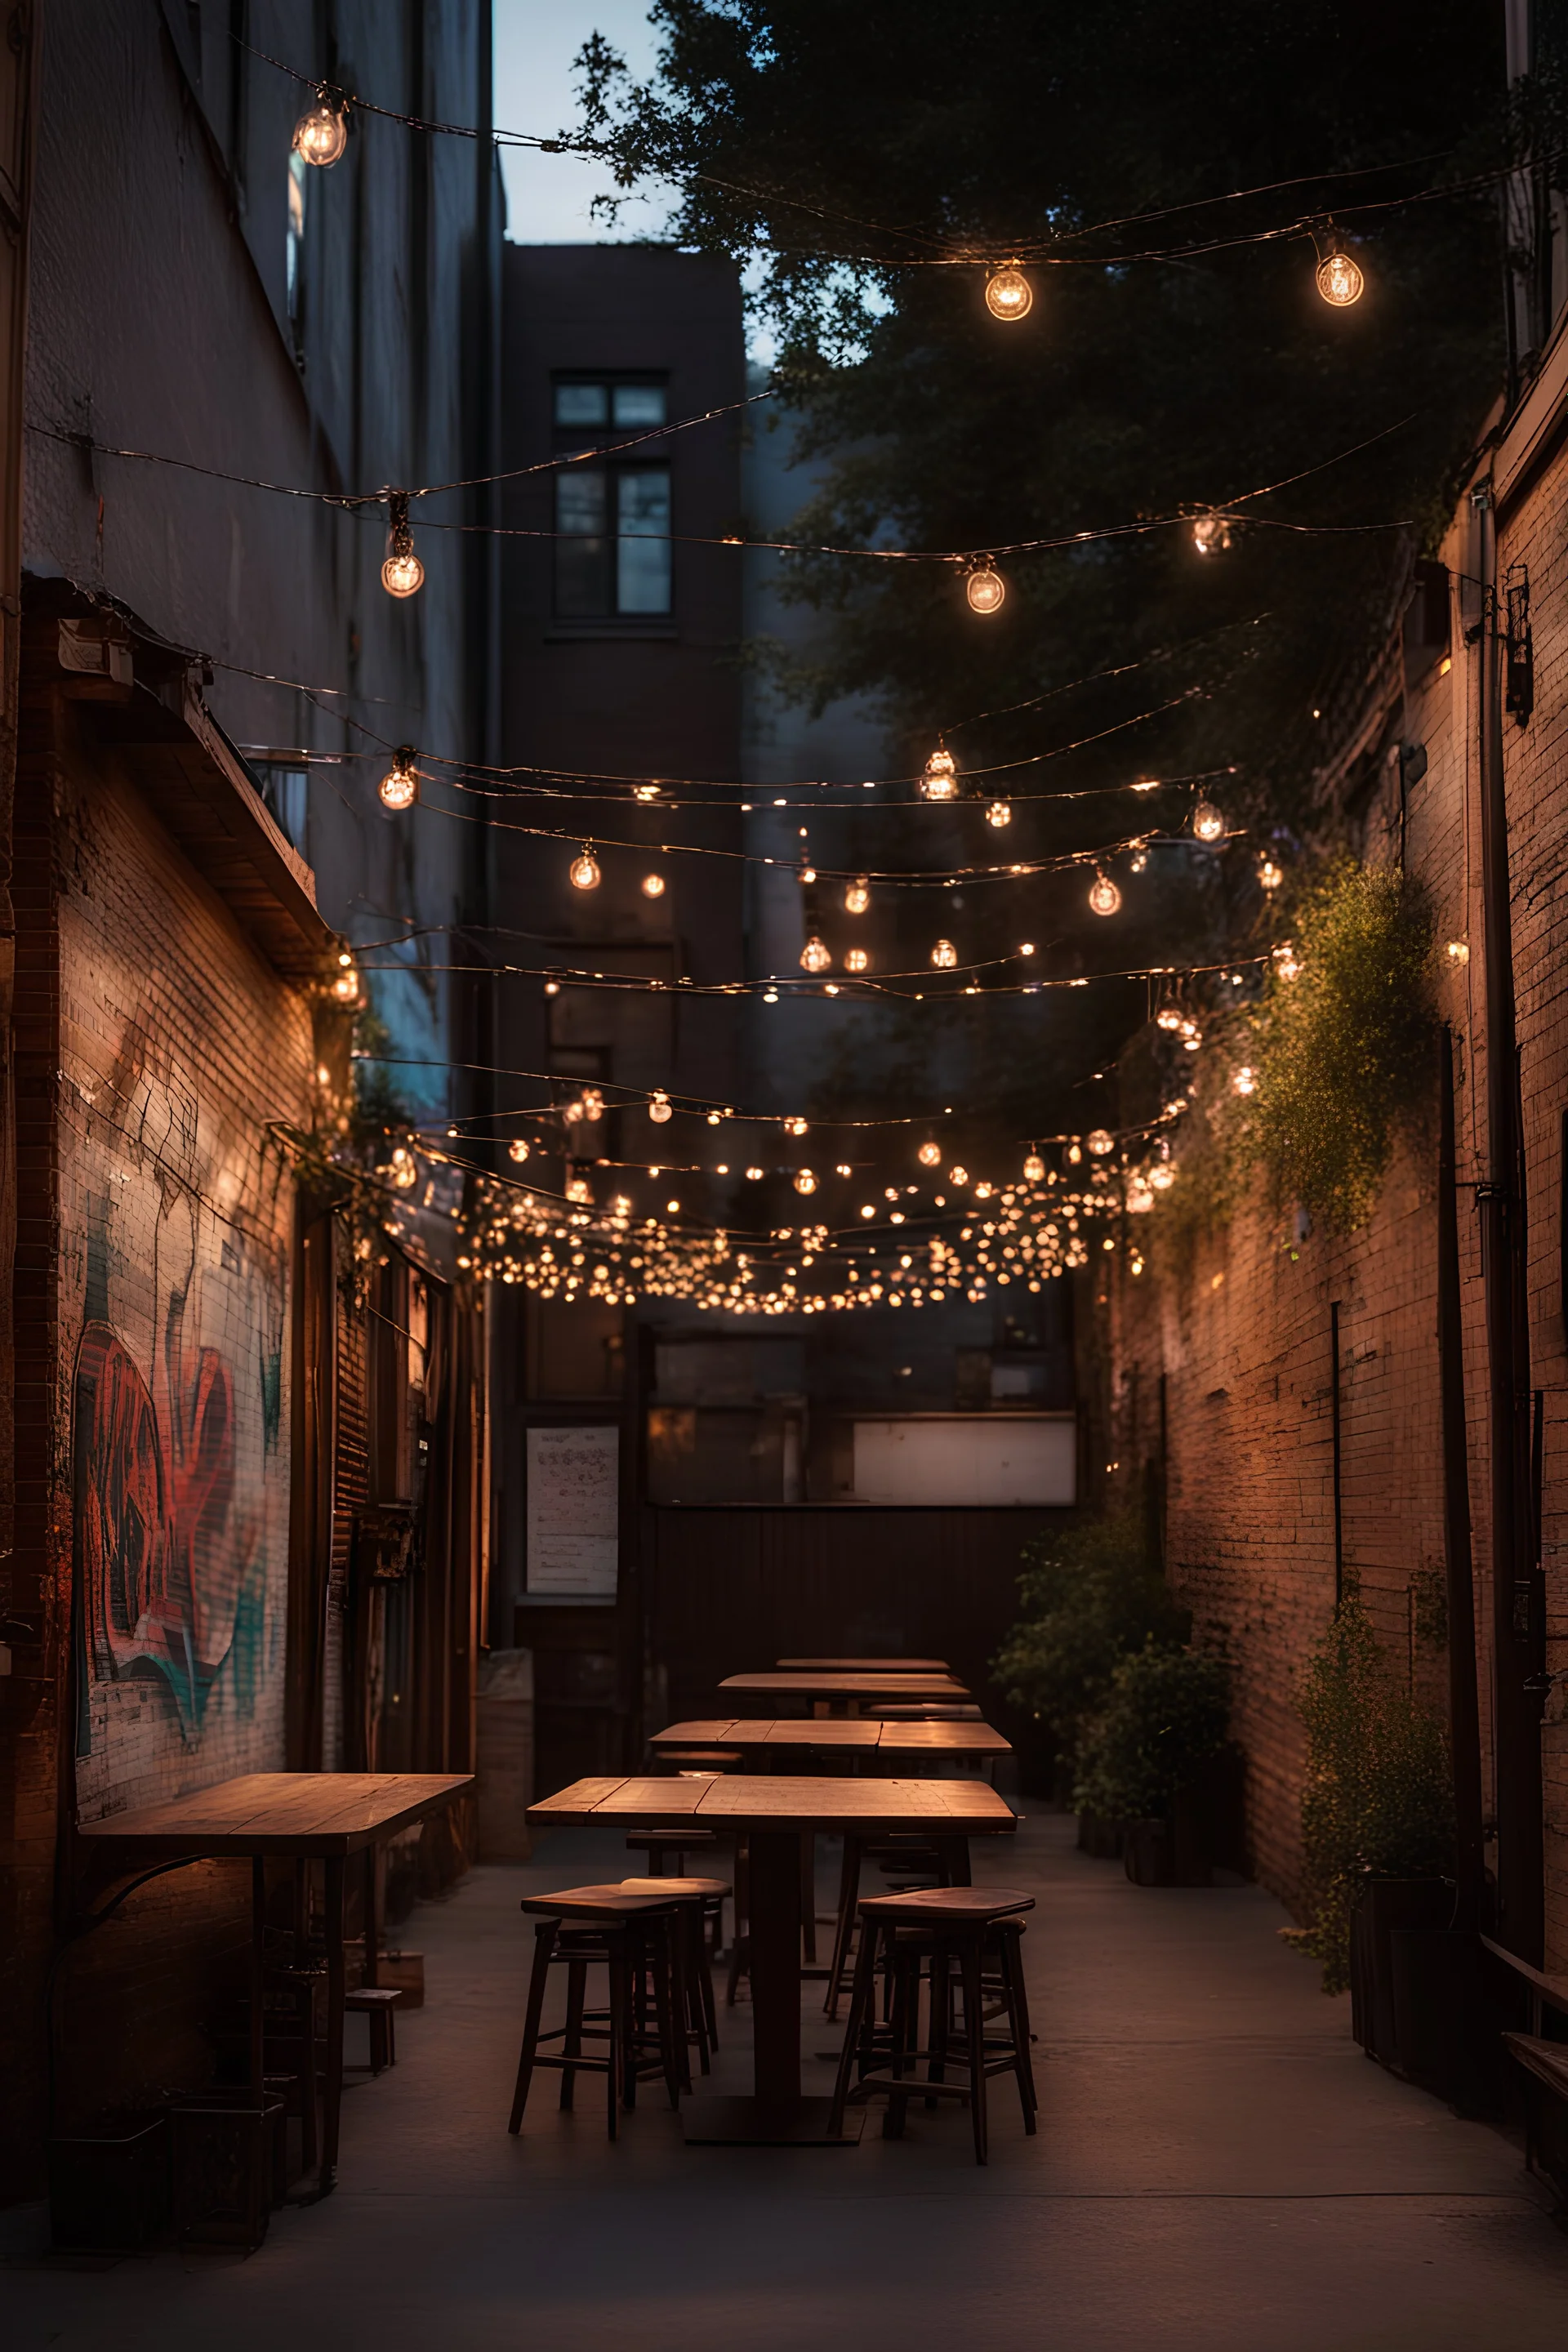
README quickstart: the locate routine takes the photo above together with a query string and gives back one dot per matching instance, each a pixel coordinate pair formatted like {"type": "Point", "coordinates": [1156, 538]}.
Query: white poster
{"type": "Point", "coordinates": [573, 1516]}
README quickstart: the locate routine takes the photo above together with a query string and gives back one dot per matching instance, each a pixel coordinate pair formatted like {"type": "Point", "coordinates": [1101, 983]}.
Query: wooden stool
{"type": "Point", "coordinates": [938, 1929]}
{"type": "Point", "coordinates": [377, 2003]}
{"type": "Point", "coordinates": [944, 1861]}
{"type": "Point", "coordinates": [635, 1933]}
{"type": "Point", "coordinates": [700, 1899]}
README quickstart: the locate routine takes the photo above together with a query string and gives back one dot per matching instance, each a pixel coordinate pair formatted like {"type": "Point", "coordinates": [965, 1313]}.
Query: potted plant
{"type": "Point", "coordinates": [1377, 1834]}
{"type": "Point", "coordinates": [1149, 1755]}
{"type": "Point", "coordinates": [1092, 1594]}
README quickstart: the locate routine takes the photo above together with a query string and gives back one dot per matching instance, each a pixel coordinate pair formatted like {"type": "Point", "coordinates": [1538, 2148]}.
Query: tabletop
{"type": "Point", "coordinates": [857, 1732]}
{"type": "Point", "coordinates": [823, 1682]}
{"type": "Point", "coordinates": [289, 1812]}
{"type": "Point", "coordinates": [792, 1801]}
{"type": "Point", "coordinates": [865, 1665]}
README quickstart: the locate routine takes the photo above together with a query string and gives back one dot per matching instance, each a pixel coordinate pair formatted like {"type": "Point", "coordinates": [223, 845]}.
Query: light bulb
{"type": "Point", "coordinates": [660, 1108]}
{"type": "Point", "coordinates": [518, 1151]}
{"type": "Point", "coordinates": [1284, 963]}
{"type": "Point", "coordinates": [816, 955]}
{"type": "Point", "coordinates": [323, 132]}
{"type": "Point", "coordinates": [399, 788]}
{"type": "Point", "coordinates": [1162, 1178]}
{"type": "Point", "coordinates": [715, 1118]}
{"type": "Point", "coordinates": [857, 895]}
{"type": "Point", "coordinates": [1459, 951]}
{"type": "Point", "coordinates": [1139, 1200]}
{"type": "Point", "coordinates": [652, 886]}
{"type": "Point", "coordinates": [579, 1190]}
{"type": "Point", "coordinates": [1270, 875]}
{"type": "Point", "coordinates": [986, 590]}
{"type": "Point", "coordinates": [1073, 1155]}
{"type": "Point", "coordinates": [584, 871]}
{"type": "Point", "coordinates": [1211, 534]}
{"type": "Point", "coordinates": [1008, 294]}
{"type": "Point", "coordinates": [958, 1178]}
{"type": "Point", "coordinates": [857, 959]}
{"type": "Point", "coordinates": [939, 781]}
{"type": "Point", "coordinates": [1034, 1169]}
{"type": "Point", "coordinates": [1104, 898]}
{"type": "Point", "coordinates": [1245, 1080]}
{"type": "Point", "coordinates": [795, 1125]}
{"type": "Point", "coordinates": [401, 574]}
{"type": "Point", "coordinates": [929, 1154]}
{"type": "Point", "coordinates": [805, 1182]}
{"type": "Point", "coordinates": [593, 1103]}
{"type": "Point", "coordinates": [807, 874]}
{"type": "Point", "coordinates": [1167, 1017]}
{"type": "Point", "coordinates": [1208, 823]}
{"type": "Point", "coordinates": [1341, 280]}
{"type": "Point", "coordinates": [1099, 1141]}
{"type": "Point", "coordinates": [944, 955]}
{"type": "Point", "coordinates": [345, 980]}
{"type": "Point", "coordinates": [754, 1175]}
{"type": "Point", "coordinates": [999, 814]}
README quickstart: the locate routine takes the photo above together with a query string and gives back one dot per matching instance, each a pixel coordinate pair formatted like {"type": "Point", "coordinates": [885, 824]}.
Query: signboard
{"type": "Point", "coordinates": [574, 1512]}
{"type": "Point", "coordinates": [967, 1458]}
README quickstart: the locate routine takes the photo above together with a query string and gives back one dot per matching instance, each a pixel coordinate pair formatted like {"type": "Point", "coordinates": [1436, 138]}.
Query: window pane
{"type": "Point", "coordinates": [583, 554]}
{"type": "Point", "coordinates": [642, 522]}
{"type": "Point", "coordinates": [287, 792]}
{"type": "Point", "coordinates": [582, 404]}
{"type": "Point", "coordinates": [639, 404]}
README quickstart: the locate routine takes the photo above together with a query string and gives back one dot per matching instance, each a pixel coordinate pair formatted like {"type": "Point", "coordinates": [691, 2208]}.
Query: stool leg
{"type": "Point", "coordinates": [705, 1990]}
{"type": "Point", "coordinates": [904, 2021]}
{"type": "Point", "coordinates": [620, 2065]}
{"type": "Point", "coordinates": [975, 2028]}
{"type": "Point", "coordinates": [545, 1937]}
{"type": "Point", "coordinates": [699, 1995]}
{"type": "Point", "coordinates": [572, 2039]}
{"type": "Point", "coordinates": [848, 1895]}
{"type": "Point", "coordinates": [940, 2018]}
{"type": "Point", "coordinates": [664, 1954]}
{"type": "Point", "coordinates": [860, 1999]}
{"type": "Point", "coordinates": [739, 1950]}
{"type": "Point", "coordinates": [1018, 2023]}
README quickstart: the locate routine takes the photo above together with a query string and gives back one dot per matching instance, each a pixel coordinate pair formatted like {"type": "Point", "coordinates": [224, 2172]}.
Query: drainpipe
{"type": "Point", "coordinates": [1518, 1629]}
{"type": "Point", "coordinates": [1464, 1710]}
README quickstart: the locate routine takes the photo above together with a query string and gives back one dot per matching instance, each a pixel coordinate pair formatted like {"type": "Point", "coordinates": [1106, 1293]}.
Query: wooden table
{"type": "Point", "coordinates": [855, 1735]}
{"type": "Point", "coordinates": [843, 1687]}
{"type": "Point", "coordinates": [865, 1665]}
{"type": "Point", "coordinates": [774, 1814]}
{"type": "Point", "coordinates": [304, 1816]}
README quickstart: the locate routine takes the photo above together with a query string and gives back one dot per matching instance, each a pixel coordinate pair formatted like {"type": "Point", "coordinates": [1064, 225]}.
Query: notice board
{"type": "Point", "coordinates": [574, 1512]}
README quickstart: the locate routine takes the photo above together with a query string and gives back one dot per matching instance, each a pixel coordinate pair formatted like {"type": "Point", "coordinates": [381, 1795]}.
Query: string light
{"type": "Point", "coordinates": [929, 1154]}
{"type": "Point", "coordinates": [958, 1177]}
{"type": "Point", "coordinates": [857, 959]}
{"type": "Point", "coordinates": [1211, 534]}
{"type": "Point", "coordinates": [816, 955]}
{"type": "Point", "coordinates": [518, 1151]}
{"type": "Point", "coordinates": [986, 589]}
{"type": "Point", "coordinates": [1100, 1142]}
{"type": "Point", "coordinates": [322, 131]}
{"type": "Point", "coordinates": [944, 955]}
{"type": "Point", "coordinates": [401, 574]}
{"type": "Point", "coordinates": [940, 779]}
{"type": "Point", "coordinates": [999, 814]}
{"type": "Point", "coordinates": [1104, 898]}
{"type": "Point", "coordinates": [1270, 875]}
{"type": "Point", "coordinates": [1008, 294]}
{"type": "Point", "coordinates": [584, 871]}
{"type": "Point", "coordinates": [404, 1170]}
{"type": "Point", "coordinates": [1208, 822]}
{"type": "Point", "coordinates": [346, 980]}
{"type": "Point", "coordinates": [805, 1182]}
{"type": "Point", "coordinates": [1245, 1080]}
{"type": "Point", "coordinates": [858, 896]}
{"type": "Point", "coordinates": [1341, 280]}
{"type": "Point", "coordinates": [660, 1108]}
{"type": "Point", "coordinates": [1284, 960]}
{"type": "Point", "coordinates": [754, 1175]}
{"type": "Point", "coordinates": [1458, 952]}
{"type": "Point", "coordinates": [1034, 1169]}
{"type": "Point", "coordinates": [795, 1125]}
{"type": "Point", "coordinates": [399, 788]}
{"type": "Point", "coordinates": [652, 886]}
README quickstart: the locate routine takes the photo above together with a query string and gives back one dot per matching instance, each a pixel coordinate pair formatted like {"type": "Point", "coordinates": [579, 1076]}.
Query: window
{"type": "Point", "coordinates": [612, 512]}
{"type": "Point", "coordinates": [286, 792]}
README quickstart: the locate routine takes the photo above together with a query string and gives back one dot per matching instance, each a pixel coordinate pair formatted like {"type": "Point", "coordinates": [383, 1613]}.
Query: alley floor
{"type": "Point", "coordinates": [1217, 2167]}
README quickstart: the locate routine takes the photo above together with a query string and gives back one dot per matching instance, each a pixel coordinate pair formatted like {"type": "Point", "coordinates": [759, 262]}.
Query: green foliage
{"type": "Point", "coordinates": [1167, 1712]}
{"type": "Point", "coordinates": [1092, 1594]}
{"type": "Point", "coordinates": [1343, 1051]}
{"type": "Point", "coordinates": [1378, 1794]}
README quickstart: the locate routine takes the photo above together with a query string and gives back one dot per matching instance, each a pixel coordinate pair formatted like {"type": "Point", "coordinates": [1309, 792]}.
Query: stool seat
{"type": "Point", "coordinates": [927, 1905]}
{"type": "Point", "coordinates": [677, 1890]}
{"type": "Point", "coordinates": [631, 1899]}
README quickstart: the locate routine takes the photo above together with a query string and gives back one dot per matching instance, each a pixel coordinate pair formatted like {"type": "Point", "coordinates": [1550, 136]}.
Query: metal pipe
{"type": "Point", "coordinates": [1464, 1705]}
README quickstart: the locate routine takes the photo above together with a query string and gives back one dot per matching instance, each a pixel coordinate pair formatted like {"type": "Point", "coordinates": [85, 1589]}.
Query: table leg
{"type": "Point", "coordinates": [257, 1977]}
{"type": "Point", "coordinates": [332, 2089]}
{"type": "Point", "coordinates": [372, 1914]}
{"type": "Point", "coordinates": [808, 1894]}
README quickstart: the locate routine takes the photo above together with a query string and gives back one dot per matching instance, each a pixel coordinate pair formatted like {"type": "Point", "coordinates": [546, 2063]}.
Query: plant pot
{"type": "Point", "coordinates": [108, 2189]}
{"type": "Point", "coordinates": [1390, 1907]}
{"type": "Point", "coordinates": [226, 2165]}
{"type": "Point", "coordinates": [1174, 1853]}
{"type": "Point", "coordinates": [1102, 1838]}
{"type": "Point", "coordinates": [1436, 1988]}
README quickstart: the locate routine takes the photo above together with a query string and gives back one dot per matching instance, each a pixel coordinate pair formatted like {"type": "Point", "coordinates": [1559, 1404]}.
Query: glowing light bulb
{"type": "Point", "coordinates": [1208, 823]}
{"type": "Point", "coordinates": [999, 814]}
{"type": "Point", "coordinates": [652, 886]}
{"type": "Point", "coordinates": [1340, 281]}
{"type": "Point", "coordinates": [986, 589]}
{"type": "Point", "coordinates": [1139, 1202]}
{"type": "Point", "coordinates": [1458, 952]}
{"type": "Point", "coordinates": [345, 980]}
{"type": "Point", "coordinates": [1073, 1155]}
{"type": "Point", "coordinates": [399, 788]}
{"type": "Point", "coordinates": [857, 959]}
{"type": "Point", "coordinates": [552, 988]}
{"type": "Point", "coordinates": [1162, 1178]}
{"type": "Point", "coordinates": [939, 781]}
{"type": "Point", "coordinates": [517, 1150]}
{"type": "Point", "coordinates": [754, 1175]}
{"type": "Point", "coordinates": [584, 871]}
{"type": "Point", "coordinates": [404, 1170]}
{"type": "Point", "coordinates": [816, 955]}
{"type": "Point", "coordinates": [1100, 1142]}
{"type": "Point", "coordinates": [1034, 1169]}
{"type": "Point", "coordinates": [857, 895]}
{"type": "Point", "coordinates": [1008, 294]}
{"type": "Point", "coordinates": [944, 955]}
{"type": "Point", "coordinates": [323, 132]}
{"type": "Point", "coordinates": [593, 1103]}
{"type": "Point", "coordinates": [1245, 1080]}
{"type": "Point", "coordinates": [795, 1125]}
{"type": "Point", "coordinates": [1211, 534]}
{"type": "Point", "coordinates": [1284, 963]}
{"type": "Point", "coordinates": [958, 1178]}
{"type": "Point", "coordinates": [1167, 1017]}
{"type": "Point", "coordinates": [1104, 898]}
{"type": "Point", "coordinates": [715, 1118]}
{"type": "Point", "coordinates": [805, 1182]}
{"type": "Point", "coordinates": [401, 574]}
{"type": "Point", "coordinates": [660, 1108]}
{"type": "Point", "coordinates": [929, 1154]}
{"type": "Point", "coordinates": [1270, 875]}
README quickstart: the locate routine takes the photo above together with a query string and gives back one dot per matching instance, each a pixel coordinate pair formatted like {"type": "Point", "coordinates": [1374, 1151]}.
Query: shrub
{"type": "Point", "coordinates": [1378, 1795]}
{"type": "Point", "coordinates": [1093, 1593]}
{"type": "Point", "coordinates": [1167, 1712]}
